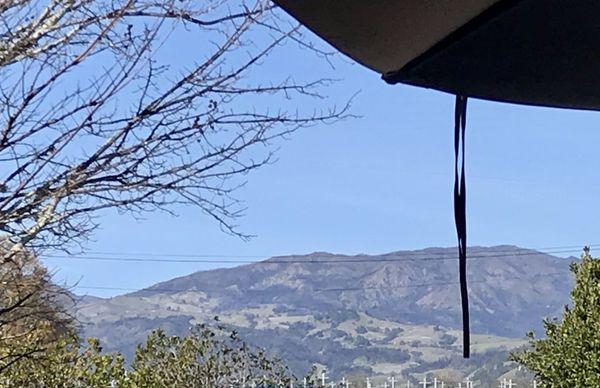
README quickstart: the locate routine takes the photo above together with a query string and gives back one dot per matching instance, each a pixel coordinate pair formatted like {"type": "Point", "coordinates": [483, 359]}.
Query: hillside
{"type": "Point", "coordinates": [354, 314]}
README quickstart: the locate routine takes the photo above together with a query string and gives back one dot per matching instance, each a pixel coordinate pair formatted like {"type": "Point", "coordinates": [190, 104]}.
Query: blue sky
{"type": "Point", "coordinates": [381, 182]}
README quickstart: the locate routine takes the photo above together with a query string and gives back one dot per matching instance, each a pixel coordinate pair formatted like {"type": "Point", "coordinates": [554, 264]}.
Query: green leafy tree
{"type": "Point", "coordinates": [569, 356]}
{"type": "Point", "coordinates": [66, 365]}
{"type": "Point", "coordinates": [207, 357]}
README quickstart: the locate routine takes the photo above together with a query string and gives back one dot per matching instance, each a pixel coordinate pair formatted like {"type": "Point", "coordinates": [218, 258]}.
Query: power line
{"type": "Point", "coordinates": [340, 289]}
{"type": "Point", "coordinates": [361, 259]}
{"type": "Point", "coordinates": [412, 253]}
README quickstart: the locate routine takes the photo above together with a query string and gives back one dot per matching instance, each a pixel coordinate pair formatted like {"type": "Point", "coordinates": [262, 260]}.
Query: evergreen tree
{"type": "Point", "coordinates": [569, 355]}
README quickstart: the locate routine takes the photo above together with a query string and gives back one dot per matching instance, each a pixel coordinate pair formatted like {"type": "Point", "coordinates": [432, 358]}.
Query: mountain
{"type": "Point", "coordinates": [376, 314]}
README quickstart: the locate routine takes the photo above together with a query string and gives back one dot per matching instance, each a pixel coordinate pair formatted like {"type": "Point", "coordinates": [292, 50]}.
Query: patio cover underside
{"type": "Point", "coordinates": [538, 52]}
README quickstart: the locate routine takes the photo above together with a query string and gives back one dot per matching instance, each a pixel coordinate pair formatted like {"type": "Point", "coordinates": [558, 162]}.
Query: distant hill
{"type": "Point", "coordinates": [376, 314]}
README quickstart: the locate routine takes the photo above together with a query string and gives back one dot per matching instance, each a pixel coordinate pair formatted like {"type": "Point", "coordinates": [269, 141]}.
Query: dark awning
{"type": "Point", "coordinates": [539, 52]}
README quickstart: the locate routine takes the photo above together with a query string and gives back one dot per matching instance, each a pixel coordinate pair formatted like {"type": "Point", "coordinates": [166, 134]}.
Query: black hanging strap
{"type": "Point", "coordinates": [460, 212]}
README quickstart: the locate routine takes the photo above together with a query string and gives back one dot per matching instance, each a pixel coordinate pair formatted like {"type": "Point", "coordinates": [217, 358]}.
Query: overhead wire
{"type": "Point", "coordinates": [401, 256]}
{"type": "Point", "coordinates": [339, 289]}
{"type": "Point", "coordinates": [505, 249]}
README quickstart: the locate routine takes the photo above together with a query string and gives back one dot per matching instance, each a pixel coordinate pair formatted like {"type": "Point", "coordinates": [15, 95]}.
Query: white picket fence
{"type": "Point", "coordinates": [392, 382]}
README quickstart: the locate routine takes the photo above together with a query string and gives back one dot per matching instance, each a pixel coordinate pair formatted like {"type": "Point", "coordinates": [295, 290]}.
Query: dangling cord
{"type": "Point", "coordinates": [460, 213]}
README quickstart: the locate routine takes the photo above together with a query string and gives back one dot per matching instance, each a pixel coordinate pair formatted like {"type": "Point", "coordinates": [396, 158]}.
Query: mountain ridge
{"type": "Point", "coordinates": [397, 308]}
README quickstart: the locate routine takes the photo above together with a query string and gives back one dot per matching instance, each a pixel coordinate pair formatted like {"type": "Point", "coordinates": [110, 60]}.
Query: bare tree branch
{"type": "Point", "coordinates": [92, 117]}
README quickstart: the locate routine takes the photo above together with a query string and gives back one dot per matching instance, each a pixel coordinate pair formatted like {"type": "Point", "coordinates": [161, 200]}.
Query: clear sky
{"type": "Point", "coordinates": [381, 182]}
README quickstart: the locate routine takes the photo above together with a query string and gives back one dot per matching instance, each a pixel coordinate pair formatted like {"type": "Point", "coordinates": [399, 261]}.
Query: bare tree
{"type": "Point", "coordinates": [94, 114]}
{"type": "Point", "coordinates": [97, 113]}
